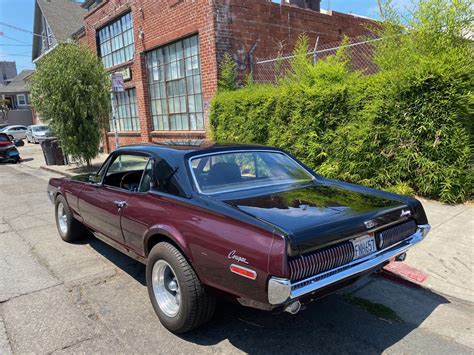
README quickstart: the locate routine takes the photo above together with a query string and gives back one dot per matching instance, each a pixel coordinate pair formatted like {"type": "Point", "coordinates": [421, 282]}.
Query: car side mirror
{"type": "Point", "coordinates": [18, 143]}
{"type": "Point", "coordinates": [94, 179]}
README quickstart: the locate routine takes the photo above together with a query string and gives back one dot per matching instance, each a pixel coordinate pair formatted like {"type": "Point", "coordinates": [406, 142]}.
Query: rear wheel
{"type": "Point", "coordinates": [69, 228]}
{"type": "Point", "coordinates": [175, 291]}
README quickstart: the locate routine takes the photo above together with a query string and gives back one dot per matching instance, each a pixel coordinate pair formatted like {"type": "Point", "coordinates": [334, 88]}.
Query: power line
{"type": "Point", "coordinates": [14, 39]}
{"type": "Point", "coordinates": [15, 45]}
{"type": "Point", "coordinates": [14, 55]}
{"type": "Point", "coordinates": [25, 30]}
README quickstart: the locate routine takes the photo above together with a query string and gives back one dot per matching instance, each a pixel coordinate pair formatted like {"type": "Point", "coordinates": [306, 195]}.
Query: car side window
{"type": "Point", "coordinates": [166, 178]}
{"type": "Point", "coordinates": [125, 171]}
{"type": "Point", "coordinates": [147, 177]}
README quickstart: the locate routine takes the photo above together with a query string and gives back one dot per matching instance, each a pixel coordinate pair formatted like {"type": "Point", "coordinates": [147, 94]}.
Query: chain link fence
{"type": "Point", "coordinates": [359, 49]}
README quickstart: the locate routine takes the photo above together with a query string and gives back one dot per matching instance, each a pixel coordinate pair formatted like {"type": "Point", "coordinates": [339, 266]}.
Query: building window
{"type": "Point", "coordinates": [174, 78]}
{"type": "Point", "coordinates": [126, 111]}
{"type": "Point", "coordinates": [116, 43]}
{"type": "Point", "coordinates": [21, 99]}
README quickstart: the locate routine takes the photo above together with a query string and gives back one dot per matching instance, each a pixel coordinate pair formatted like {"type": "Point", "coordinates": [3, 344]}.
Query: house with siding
{"type": "Point", "coordinates": [15, 94]}
{"type": "Point", "coordinates": [54, 21]}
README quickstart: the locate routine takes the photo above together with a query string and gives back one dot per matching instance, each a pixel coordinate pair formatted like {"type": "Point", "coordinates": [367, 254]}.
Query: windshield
{"type": "Point", "coordinates": [4, 138]}
{"type": "Point", "coordinates": [40, 128]}
{"type": "Point", "coordinates": [235, 171]}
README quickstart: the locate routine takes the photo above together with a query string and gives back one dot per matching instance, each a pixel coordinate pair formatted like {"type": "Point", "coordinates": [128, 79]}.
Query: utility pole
{"type": "Point", "coordinates": [117, 86]}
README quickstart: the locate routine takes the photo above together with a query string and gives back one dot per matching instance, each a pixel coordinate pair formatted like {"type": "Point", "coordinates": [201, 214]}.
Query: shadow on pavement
{"type": "Point", "coordinates": [122, 261]}
{"type": "Point", "coordinates": [330, 325]}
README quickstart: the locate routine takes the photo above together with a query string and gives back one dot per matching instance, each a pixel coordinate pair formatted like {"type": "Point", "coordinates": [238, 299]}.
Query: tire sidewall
{"type": "Point", "coordinates": [61, 200]}
{"type": "Point", "coordinates": [161, 252]}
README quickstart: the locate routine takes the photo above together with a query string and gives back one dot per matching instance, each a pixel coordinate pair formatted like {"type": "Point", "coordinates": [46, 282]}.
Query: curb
{"type": "Point", "coordinates": [57, 171]}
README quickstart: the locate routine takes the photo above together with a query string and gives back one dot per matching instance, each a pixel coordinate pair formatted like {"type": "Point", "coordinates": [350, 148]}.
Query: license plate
{"type": "Point", "coordinates": [363, 246]}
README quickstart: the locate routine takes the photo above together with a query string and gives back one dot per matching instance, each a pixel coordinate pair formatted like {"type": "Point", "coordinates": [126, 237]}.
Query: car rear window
{"type": "Point", "coordinates": [40, 128]}
{"type": "Point", "coordinates": [233, 171]}
{"type": "Point", "coordinates": [4, 138]}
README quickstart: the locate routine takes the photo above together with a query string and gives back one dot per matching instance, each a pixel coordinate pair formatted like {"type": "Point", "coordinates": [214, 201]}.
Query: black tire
{"type": "Point", "coordinates": [197, 305]}
{"type": "Point", "coordinates": [75, 230]}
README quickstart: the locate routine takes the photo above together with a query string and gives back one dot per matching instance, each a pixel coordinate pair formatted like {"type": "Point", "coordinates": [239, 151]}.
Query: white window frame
{"type": "Point", "coordinates": [24, 100]}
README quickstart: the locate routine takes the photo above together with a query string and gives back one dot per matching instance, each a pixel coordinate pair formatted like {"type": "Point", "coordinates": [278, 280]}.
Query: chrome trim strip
{"type": "Point", "coordinates": [314, 283]}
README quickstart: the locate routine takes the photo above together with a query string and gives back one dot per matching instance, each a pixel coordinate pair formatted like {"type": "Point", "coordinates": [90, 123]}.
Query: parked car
{"type": "Point", "coordinates": [38, 133]}
{"type": "Point", "coordinates": [248, 222]}
{"type": "Point", "coordinates": [8, 151]}
{"type": "Point", "coordinates": [15, 131]}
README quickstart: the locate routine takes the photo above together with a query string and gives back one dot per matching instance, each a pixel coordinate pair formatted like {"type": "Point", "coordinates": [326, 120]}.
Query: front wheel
{"type": "Point", "coordinates": [69, 228]}
{"type": "Point", "coordinates": [175, 291]}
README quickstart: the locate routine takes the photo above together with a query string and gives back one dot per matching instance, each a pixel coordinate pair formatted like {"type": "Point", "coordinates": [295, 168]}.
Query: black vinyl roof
{"type": "Point", "coordinates": [181, 148]}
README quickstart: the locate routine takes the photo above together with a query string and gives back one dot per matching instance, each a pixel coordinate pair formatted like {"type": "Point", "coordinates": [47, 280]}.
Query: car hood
{"type": "Point", "coordinates": [321, 214]}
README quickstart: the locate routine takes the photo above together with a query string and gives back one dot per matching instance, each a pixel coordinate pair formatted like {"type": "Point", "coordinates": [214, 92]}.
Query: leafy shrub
{"type": "Point", "coordinates": [407, 128]}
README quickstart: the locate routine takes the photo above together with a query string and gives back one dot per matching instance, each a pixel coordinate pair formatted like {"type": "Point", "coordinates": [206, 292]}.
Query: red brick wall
{"type": "Point", "coordinates": [162, 22]}
{"type": "Point", "coordinates": [222, 25]}
{"type": "Point", "coordinates": [273, 27]}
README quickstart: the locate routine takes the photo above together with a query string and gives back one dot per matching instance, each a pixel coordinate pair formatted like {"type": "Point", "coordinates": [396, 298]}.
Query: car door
{"type": "Point", "coordinates": [101, 204]}
{"type": "Point", "coordinates": [28, 134]}
{"type": "Point", "coordinates": [21, 133]}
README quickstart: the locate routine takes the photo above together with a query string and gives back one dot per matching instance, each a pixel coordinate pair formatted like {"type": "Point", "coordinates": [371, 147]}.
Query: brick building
{"type": "Point", "coordinates": [169, 50]}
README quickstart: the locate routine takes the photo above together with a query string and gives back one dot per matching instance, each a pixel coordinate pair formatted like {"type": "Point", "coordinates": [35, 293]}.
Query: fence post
{"type": "Point", "coordinates": [254, 47]}
{"type": "Point", "coordinates": [315, 54]}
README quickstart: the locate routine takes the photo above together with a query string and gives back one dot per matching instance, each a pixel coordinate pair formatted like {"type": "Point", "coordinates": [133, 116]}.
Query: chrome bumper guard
{"type": "Point", "coordinates": [281, 290]}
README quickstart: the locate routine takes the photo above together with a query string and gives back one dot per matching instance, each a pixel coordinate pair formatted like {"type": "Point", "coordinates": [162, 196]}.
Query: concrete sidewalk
{"type": "Point", "coordinates": [446, 255]}
{"type": "Point", "coordinates": [32, 156]}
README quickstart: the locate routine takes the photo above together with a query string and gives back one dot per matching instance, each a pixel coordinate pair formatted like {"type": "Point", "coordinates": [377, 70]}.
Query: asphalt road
{"type": "Point", "coordinates": [76, 298]}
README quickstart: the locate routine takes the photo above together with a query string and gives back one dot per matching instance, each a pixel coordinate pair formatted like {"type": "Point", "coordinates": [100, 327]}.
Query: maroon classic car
{"type": "Point", "coordinates": [248, 222]}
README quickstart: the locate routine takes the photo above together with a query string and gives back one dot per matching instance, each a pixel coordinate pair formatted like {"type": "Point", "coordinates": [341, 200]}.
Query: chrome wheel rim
{"type": "Point", "coordinates": [62, 219]}
{"type": "Point", "coordinates": [166, 288]}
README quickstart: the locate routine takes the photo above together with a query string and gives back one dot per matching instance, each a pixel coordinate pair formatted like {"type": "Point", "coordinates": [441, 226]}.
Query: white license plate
{"type": "Point", "coordinates": [363, 246]}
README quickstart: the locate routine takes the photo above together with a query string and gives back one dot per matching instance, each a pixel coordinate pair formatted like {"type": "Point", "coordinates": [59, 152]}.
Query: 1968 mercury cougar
{"type": "Point", "coordinates": [248, 222]}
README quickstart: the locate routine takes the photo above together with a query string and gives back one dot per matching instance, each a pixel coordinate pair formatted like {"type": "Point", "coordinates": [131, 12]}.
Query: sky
{"type": "Point", "coordinates": [20, 13]}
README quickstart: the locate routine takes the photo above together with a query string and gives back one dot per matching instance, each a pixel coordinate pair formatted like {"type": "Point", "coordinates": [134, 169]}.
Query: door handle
{"type": "Point", "coordinates": [120, 204]}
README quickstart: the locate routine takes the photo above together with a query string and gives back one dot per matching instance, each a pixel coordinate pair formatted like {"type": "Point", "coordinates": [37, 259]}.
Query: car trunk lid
{"type": "Point", "coordinates": [320, 215]}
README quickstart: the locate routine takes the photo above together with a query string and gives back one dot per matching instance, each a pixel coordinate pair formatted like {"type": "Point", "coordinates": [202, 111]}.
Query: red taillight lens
{"type": "Point", "coordinates": [243, 271]}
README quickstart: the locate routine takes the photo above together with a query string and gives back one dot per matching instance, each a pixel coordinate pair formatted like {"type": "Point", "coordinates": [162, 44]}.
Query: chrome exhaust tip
{"type": "Point", "coordinates": [293, 307]}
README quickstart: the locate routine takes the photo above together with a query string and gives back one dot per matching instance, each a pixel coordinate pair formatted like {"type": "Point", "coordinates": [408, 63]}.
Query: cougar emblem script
{"type": "Point", "coordinates": [405, 213]}
{"type": "Point", "coordinates": [232, 255]}
{"type": "Point", "coordinates": [370, 224]}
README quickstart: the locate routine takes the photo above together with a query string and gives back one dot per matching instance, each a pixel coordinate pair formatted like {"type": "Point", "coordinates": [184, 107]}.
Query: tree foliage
{"type": "Point", "coordinates": [407, 128]}
{"type": "Point", "coordinates": [70, 91]}
{"type": "Point", "coordinates": [227, 74]}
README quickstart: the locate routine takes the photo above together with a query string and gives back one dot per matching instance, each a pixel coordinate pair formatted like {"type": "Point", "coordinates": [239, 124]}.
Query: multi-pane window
{"type": "Point", "coordinates": [126, 111]}
{"type": "Point", "coordinates": [21, 98]}
{"type": "Point", "coordinates": [174, 77]}
{"type": "Point", "coordinates": [116, 43]}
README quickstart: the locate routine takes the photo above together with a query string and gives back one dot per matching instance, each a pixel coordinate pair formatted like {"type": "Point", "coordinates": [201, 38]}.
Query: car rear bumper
{"type": "Point", "coordinates": [281, 290]}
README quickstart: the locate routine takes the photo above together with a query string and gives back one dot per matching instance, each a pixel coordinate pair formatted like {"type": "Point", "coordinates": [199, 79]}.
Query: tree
{"type": "Point", "coordinates": [70, 91]}
{"type": "Point", "coordinates": [227, 74]}
{"type": "Point", "coordinates": [4, 109]}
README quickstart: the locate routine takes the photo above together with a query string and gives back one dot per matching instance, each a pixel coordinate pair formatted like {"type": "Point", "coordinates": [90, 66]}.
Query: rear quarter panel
{"type": "Point", "coordinates": [207, 239]}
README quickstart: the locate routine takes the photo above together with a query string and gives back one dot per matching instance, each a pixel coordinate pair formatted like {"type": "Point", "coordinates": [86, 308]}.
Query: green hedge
{"type": "Point", "coordinates": [406, 132]}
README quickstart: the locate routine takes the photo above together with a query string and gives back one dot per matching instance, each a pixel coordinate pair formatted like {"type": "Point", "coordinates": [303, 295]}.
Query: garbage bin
{"type": "Point", "coordinates": [57, 152]}
{"type": "Point", "coordinates": [48, 152]}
